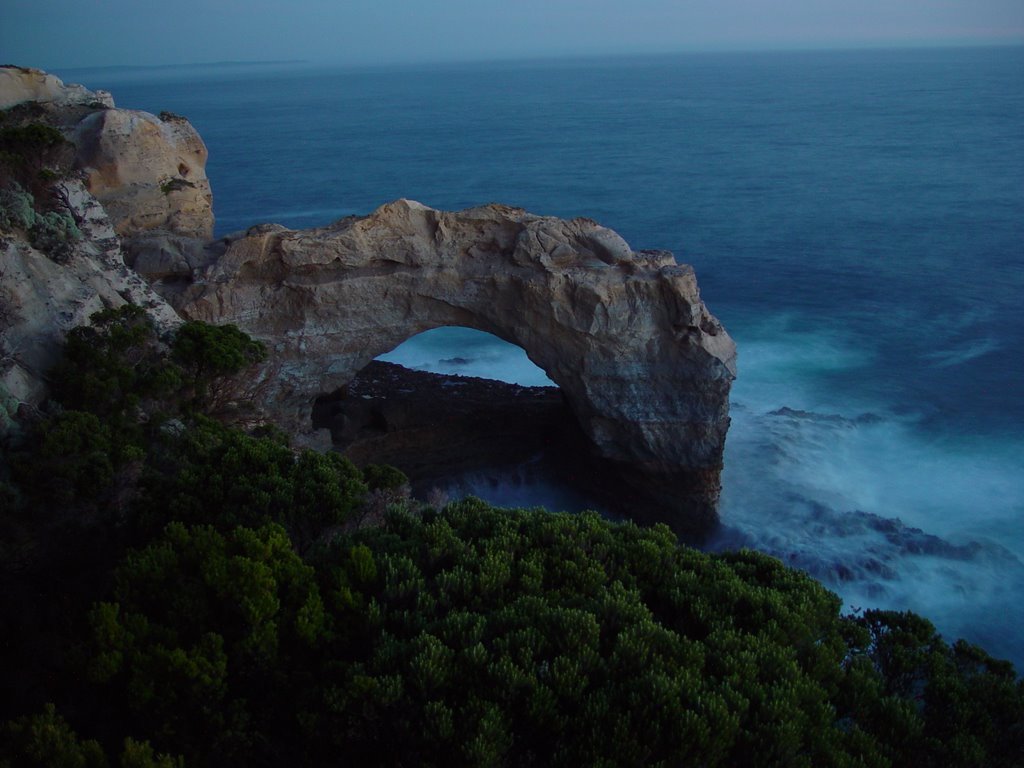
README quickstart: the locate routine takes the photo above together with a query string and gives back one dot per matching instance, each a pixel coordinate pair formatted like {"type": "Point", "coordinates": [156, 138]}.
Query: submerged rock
{"type": "Point", "coordinates": [433, 426]}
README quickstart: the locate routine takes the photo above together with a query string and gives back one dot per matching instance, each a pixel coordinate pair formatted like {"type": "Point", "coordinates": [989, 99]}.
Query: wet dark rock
{"type": "Point", "coordinates": [435, 427]}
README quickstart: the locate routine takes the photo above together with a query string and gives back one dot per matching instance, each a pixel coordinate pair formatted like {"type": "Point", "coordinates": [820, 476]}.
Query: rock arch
{"type": "Point", "coordinates": [644, 366]}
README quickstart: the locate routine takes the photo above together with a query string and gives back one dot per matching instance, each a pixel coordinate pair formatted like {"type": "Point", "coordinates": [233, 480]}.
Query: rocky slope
{"type": "Point", "coordinates": [43, 294]}
{"type": "Point", "coordinates": [643, 366]}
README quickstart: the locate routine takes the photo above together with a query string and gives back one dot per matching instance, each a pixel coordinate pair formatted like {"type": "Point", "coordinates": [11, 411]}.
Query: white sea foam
{"type": "Point", "coordinates": [466, 352]}
{"type": "Point", "coordinates": [963, 353]}
{"type": "Point", "coordinates": [882, 512]}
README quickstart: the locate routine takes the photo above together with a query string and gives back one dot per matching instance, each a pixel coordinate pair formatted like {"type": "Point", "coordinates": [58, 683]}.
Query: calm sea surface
{"type": "Point", "coordinates": [856, 219]}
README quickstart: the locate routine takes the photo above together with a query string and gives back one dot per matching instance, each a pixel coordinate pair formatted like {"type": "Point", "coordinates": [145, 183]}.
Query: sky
{"type": "Point", "coordinates": [52, 34]}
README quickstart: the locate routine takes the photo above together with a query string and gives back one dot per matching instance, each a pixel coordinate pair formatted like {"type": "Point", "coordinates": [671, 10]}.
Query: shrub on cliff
{"type": "Point", "coordinates": [17, 209]}
{"type": "Point", "coordinates": [466, 635]}
{"type": "Point", "coordinates": [218, 475]}
{"type": "Point", "coordinates": [209, 355]}
{"type": "Point", "coordinates": [200, 628]}
{"type": "Point", "coordinates": [477, 636]}
{"type": "Point", "coordinates": [116, 368]}
{"type": "Point", "coordinates": [34, 155]}
{"type": "Point", "coordinates": [52, 232]}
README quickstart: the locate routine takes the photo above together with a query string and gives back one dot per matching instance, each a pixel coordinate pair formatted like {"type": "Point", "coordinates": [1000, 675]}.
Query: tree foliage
{"type": "Point", "coordinates": [32, 155]}
{"type": "Point", "coordinates": [239, 609]}
{"type": "Point", "coordinates": [215, 474]}
{"type": "Point", "coordinates": [199, 630]}
{"type": "Point", "coordinates": [209, 355]}
{"type": "Point", "coordinates": [116, 367]}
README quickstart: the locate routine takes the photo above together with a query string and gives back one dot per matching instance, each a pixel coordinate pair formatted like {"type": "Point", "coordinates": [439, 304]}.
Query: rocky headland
{"type": "Point", "coordinates": [643, 368]}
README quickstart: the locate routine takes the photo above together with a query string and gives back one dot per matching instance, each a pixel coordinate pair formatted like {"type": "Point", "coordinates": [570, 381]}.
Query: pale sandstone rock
{"type": "Point", "coordinates": [21, 84]}
{"type": "Point", "coordinates": [149, 173]}
{"type": "Point", "coordinates": [643, 364]}
{"type": "Point", "coordinates": [41, 300]}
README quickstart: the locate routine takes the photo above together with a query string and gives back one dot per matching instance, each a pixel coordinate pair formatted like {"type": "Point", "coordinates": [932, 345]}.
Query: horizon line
{"type": "Point", "coordinates": [581, 55]}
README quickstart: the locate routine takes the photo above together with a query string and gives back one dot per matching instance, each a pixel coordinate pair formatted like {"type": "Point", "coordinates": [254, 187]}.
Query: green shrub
{"type": "Point", "coordinates": [176, 185]}
{"type": "Point", "coordinates": [73, 460]}
{"type": "Point", "coordinates": [54, 233]}
{"type": "Point", "coordinates": [383, 477]}
{"type": "Point", "coordinates": [29, 150]}
{"type": "Point", "coordinates": [115, 367]}
{"type": "Point", "coordinates": [34, 137]}
{"type": "Point", "coordinates": [209, 355]}
{"type": "Point", "coordinates": [214, 474]}
{"type": "Point", "coordinates": [17, 209]}
{"type": "Point", "coordinates": [47, 741]}
{"type": "Point", "coordinates": [467, 636]}
{"type": "Point", "coordinates": [201, 627]}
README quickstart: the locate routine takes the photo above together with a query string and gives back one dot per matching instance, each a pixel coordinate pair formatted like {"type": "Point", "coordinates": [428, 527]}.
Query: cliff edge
{"type": "Point", "coordinates": [643, 365]}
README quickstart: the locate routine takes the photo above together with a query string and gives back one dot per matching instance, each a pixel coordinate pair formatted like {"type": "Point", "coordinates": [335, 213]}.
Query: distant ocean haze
{"type": "Point", "coordinates": [856, 220]}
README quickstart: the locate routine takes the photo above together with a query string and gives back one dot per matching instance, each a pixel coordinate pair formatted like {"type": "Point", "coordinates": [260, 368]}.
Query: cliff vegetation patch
{"type": "Point", "coordinates": [178, 591]}
{"type": "Point", "coordinates": [33, 156]}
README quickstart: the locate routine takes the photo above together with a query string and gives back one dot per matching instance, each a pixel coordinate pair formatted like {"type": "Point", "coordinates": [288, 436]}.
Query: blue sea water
{"type": "Point", "coordinates": [855, 218]}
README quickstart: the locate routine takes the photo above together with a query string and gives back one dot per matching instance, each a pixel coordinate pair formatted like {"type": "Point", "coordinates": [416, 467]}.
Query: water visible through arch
{"type": "Point", "coordinates": [459, 351]}
{"type": "Point", "coordinates": [473, 405]}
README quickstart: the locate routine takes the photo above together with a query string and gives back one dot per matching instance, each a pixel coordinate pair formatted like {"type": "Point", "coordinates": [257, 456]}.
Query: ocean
{"type": "Point", "coordinates": [855, 219]}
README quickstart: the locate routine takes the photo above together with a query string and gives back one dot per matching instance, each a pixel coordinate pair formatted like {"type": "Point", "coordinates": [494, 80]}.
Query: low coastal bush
{"type": "Point", "coordinates": [197, 595]}
{"type": "Point", "coordinates": [52, 232]}
{"type": "Point", "coordinates": [33, 156]}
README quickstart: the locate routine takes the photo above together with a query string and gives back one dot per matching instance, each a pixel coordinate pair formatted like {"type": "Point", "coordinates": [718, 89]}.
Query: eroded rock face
{"type": "Point", "coordinates": [149, 172]}
{"type": "Point", "coordinates": [21, 84]}
{"type": "Point", "coordinates": [644, 366]}
{"type": "Point", "coordinates": [41, 300]}
{"type": "Point", "coordinates": [128, 156]}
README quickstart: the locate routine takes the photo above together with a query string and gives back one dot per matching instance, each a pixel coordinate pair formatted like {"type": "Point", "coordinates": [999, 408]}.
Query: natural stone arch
{"type": "Point", "coordinates": [644, 366]}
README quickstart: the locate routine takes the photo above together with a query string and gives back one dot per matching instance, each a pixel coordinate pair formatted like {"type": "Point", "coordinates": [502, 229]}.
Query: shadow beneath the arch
{"type": "Point", "coordinates": [511, 445]}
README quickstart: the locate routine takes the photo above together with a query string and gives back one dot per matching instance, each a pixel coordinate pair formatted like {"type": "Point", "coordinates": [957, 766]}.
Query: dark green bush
{"type": "Point", "coordinates": [218, 475]}
{"type": "Point", "coordinates": [116, 367]}
{"type": "Point", "coordinates": [251, 615]}
{"type": "Point", "coordinates": [382, 477]}
{"type": "Point", "coordinates": [73, 459]}
{"type": "Point", "coordinates": [45, 741]}
{"type": "Point", "coordinates": [200, 630]}
{"type": "Point", "coordinates": [33, 155]}
{"type": "Point", "coordinates": [209, 355]}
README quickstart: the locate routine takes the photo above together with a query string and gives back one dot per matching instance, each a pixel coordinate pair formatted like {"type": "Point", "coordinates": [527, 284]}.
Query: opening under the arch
{"type": "Point", "coordinates": [463, 412]}
{"type": "Point", "coordinates": [460, 351]}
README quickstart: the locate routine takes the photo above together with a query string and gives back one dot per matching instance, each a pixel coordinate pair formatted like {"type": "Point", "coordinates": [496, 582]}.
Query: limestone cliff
{"type": "Point", "coordinates": [643, 365]}
{"type": "Point", "coordinates": [19, 85]}
{"type": "Point", "coordinates": [42, 295]}
{"type": "Point", "coordinates": [42, 299]}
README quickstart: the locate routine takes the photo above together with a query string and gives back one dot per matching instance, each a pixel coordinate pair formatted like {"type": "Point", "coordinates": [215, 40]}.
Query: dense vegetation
{"type": "Point", "coordinates": [177, 591]}
{"type": "Point", "coordinates": [33, 156]}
